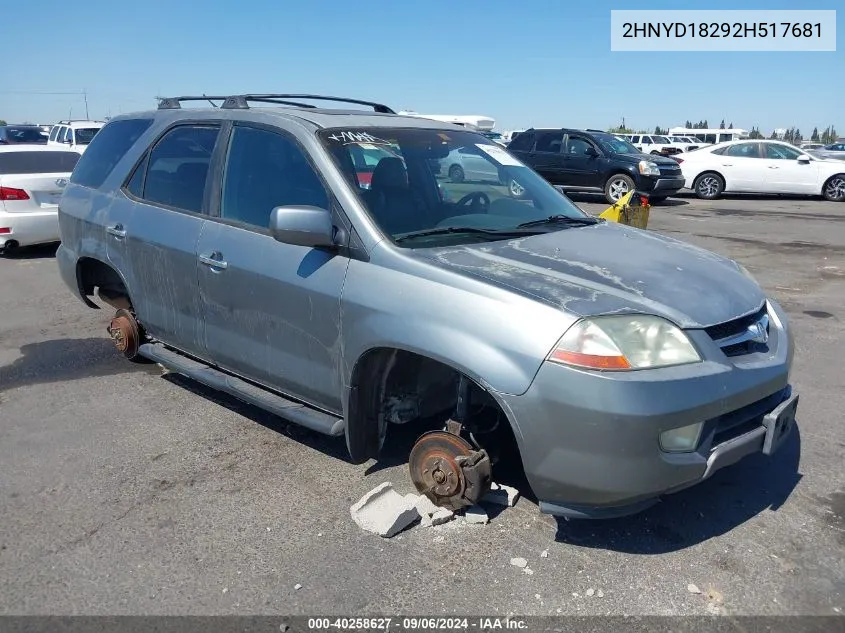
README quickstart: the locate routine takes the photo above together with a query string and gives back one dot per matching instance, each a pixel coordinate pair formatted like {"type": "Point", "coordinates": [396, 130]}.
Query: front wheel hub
{"type": "Point", "coordinates": [446, 469]}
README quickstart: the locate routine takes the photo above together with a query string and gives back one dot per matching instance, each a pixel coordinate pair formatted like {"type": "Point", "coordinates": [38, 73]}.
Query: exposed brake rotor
{"type": "Point", "coordinates": [125, 333]}
{"type": "Point", "coordinates": [446, 469]}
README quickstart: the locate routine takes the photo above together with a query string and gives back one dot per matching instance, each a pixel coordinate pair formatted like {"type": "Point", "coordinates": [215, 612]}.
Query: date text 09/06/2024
{"type": "Point", "coordinates": [417, 624]}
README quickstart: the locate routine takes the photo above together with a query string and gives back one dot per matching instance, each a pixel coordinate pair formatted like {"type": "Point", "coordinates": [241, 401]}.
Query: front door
{"type": "Point", "coordinates": [271, 310]}
{"type": "Point", "coordinates": [742, 167]}
{"type": "Point", "coordinates": [580, 163]}
{"type": "Point", "coordinates": [161, 235]}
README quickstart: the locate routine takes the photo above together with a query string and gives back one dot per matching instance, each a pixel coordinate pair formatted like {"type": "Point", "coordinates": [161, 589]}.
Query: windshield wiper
{"type": "Point", "coordinates": [560, 219]}
{"type": "Point", "coordinates": [446, 230]}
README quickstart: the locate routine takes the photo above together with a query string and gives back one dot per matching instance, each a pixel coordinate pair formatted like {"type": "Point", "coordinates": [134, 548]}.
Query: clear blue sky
{"type": "Point", "coordinates": [524, 63]}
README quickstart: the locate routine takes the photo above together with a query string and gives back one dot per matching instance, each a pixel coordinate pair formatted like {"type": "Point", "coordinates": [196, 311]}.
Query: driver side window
{"type": "Point", "coordinates": [577, 146]}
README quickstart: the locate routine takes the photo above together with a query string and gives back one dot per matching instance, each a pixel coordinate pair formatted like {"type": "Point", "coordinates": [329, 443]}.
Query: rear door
{"type": "Point", "coordinates": [784, 174]}
{"type": "Point", "coordinates": [547, 157]}
{"type": "Point", "coordinates": [158, 234]}
{"type": "Point", "coordinates": [271, 310]}
{"type": "Point", "coordinates": [580, 167]}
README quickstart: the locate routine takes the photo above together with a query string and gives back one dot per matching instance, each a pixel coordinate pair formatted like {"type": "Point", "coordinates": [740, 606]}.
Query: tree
{"type": "Point", "coordinates": [2, 122]}
{"type": "Point", "coordinates": [722, 125]}
{"type": "Point", "coordinates": [796, 137]}
{"type": "Point", "coordinates": [688, 124]}
{"type": "Point", "coordinates": [774, 135]}
{"type": "Point", "coordinates": [620, 130]}
{"type": "Point", "coordinates": [815, 135]}
{"type": "Point", "coordinates": [659, 131]}
{"type": "Point", "coordinates": [731, 125]}
{"type": "Point", "coordinates": [755, 133]}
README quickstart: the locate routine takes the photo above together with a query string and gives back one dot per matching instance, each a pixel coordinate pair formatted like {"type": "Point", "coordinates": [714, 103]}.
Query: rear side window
{"type": "Point", "coordinates": [106, 149]}
{"type": "Point", "coordinates": [178, 167]}
{"type": "Point", "coordinates": [522, 142]}
{"type": "Point", "coordinates": [37, 162]}
{"type": "Point", "coordinates": [265, 170]}
{"type": "Point", "coordinates": [53, 132]}
{"type": "Point", "coordinates": [549, 142]}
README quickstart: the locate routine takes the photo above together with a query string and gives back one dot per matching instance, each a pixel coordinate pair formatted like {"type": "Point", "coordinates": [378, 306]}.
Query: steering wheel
{"type": "Point", "coordinates": [475, 198]}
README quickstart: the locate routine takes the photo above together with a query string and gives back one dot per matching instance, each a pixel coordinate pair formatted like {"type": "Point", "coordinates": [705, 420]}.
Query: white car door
{"type": "Point", "coordinates": [742, 167]}
{"type": "Point", "coordinates": [786, 174]}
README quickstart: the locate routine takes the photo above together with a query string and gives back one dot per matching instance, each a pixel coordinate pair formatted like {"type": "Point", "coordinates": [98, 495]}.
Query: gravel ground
{"type": "Point", "coordinates": [127, 491]}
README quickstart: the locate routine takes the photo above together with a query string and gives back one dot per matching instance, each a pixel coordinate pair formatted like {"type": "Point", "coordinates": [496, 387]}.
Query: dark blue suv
{"type": "Point", "coordinates": [594, 161]}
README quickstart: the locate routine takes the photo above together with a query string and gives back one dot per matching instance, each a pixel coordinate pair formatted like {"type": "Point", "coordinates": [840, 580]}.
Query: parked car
{"type": "Point", "coordinates": [240, 252]}
{"type": "Point", "coordinates": [685, 143]}
{"type": "Point", "coordinates": [834, 150]}
{"type": "Point", "coordinates": [27, 134]}
{"type": "Point", "coordinates": [471, 163]}
{"type": "Point", "coordinates": [655, 144]}
{"type": "Point", "coordinates": [31, 181]}
{"type": "Point", "coordinates": [761, 167]}
{"type": "Point", "coordinates": [579, 160]}
{"type": "Point", "coordinates": [74, 134]}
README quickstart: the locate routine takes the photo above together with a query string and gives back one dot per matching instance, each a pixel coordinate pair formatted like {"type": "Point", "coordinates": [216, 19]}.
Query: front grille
{"type": "Point", "coordinates": [724, 334]}
{"type": "Point", "coordinates": [669, 170]}
{"type": "Point", "coordinates": [737, 326]}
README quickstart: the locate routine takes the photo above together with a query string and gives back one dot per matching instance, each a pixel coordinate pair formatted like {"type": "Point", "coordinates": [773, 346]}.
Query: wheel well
{"type": "Point", "coordinates": [709, 171]}
{"type": "Point", "coordinates": [618, 172]}
{"type": "Point", "coordinates": [826, 182]}
{"type": "Point", "coordinates": [393, 386]}
{"type": "Point", "coordinates": [92, 274]}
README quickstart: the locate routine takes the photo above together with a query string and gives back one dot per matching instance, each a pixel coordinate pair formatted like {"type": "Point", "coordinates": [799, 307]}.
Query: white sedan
{"type": "Point", "coordinates": [32, 178]}
{"type": "Point", "coordinates": [758, 166]}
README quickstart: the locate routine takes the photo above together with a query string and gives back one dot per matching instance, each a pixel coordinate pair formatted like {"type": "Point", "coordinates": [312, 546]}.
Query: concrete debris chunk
{"type": "Point", "coordinates": [528, 571]}
{"type": "Point", "coordinates": [384, 511]}
{"type": "Point", "coordinates": [501, 495]}
{"type": "Point", "coordinates": [519, 562]}
{"type": "Point", "coordinates": [544, 553]}
{"type": "Point", "coordinates": [476, 514]}
{"type": "Point", "coordinates": [590, 591]}
{"type": "Point", "coordinates": [443, 515]}
{"type": "Point", "coordinates": [693, 588]}
{"type": "Point", "coordinates": [424, 505]}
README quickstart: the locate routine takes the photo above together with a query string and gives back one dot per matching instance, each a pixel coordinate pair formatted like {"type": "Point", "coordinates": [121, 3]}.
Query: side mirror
{"type": "Point", "coordinates": [591, 151]}
{"type": "Point", "coordinates": [803, 158]}
{"type": "Point", "coordinates": [302, 226]}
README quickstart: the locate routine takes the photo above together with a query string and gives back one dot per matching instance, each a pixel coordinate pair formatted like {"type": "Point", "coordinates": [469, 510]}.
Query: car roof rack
{"type": "Point", "coordinates": [241, 102]}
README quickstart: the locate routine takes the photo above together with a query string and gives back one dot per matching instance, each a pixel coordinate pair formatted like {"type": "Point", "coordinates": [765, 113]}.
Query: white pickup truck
{"type": "Point", "coordinates": [655, 144]}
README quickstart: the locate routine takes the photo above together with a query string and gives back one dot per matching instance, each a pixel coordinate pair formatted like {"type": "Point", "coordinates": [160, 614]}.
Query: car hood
{"type": "Point", "coordinates": [609, 268]}
{"type": "Point", "coordinates": [654, 158]}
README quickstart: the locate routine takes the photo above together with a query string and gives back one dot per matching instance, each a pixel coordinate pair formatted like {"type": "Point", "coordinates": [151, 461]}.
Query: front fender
{"type": "Point", "coordinates": [478, 358]}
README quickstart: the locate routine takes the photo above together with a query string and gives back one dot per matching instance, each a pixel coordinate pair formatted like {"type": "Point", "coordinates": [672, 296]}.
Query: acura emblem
{"type": "Point", "coordinates": [758, 332]}
{"type": "Point", "coordinates": [61, 182]}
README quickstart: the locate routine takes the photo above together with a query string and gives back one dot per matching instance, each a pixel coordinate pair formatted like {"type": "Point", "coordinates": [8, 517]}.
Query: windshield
{"type": "Point", "coordinates": [85, 134]}
{"type": "Point", "coordinates": [615, 145]}
{"type": "Point", "coordinates": [429, 179]}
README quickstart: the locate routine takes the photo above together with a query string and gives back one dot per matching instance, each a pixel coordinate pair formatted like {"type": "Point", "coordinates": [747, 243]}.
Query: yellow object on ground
{"type": "Point", "coordinates": [631, 209]}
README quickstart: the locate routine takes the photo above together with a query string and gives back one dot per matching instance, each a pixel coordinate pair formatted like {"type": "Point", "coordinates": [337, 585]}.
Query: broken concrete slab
{"type": "Point", "coordinates": [425, 505]}
{"type": "Point", "coordinates": [443, 515]}
{"type": "Point", "coordinates": [384, 511]}
{"type": "Point", "coordinates": [519, 562]}
{"type": "Point", "coordinates": [501, 495]}
{"type": "Point", "coordinates": [476, 514]}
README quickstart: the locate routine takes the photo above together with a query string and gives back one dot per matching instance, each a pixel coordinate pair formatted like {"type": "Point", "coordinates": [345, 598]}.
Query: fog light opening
{"type": "Point", "coordinates": [681, 440]}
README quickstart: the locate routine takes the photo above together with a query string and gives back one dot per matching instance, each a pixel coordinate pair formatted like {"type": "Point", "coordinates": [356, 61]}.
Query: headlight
{"type": "Point", "coordinates": [622, 342]}
{"type": "Point", "coordinates": [647, 168]}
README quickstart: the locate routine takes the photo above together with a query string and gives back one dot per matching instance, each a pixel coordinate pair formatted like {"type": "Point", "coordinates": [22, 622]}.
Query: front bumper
{"type": "Point", "coordinates": [27, 228]}
{"type": "Point", "coordinates": [590, 440]}
{"type": "Point", "coordinates": [668, 186]}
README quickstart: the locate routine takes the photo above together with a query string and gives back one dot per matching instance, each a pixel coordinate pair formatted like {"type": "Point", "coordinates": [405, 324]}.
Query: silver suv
{"type": "Point", "coordinates": [245, 248]}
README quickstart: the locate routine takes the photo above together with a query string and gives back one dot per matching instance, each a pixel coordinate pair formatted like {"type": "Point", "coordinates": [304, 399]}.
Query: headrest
{"type": "Point", "coordinates": [390, 173]}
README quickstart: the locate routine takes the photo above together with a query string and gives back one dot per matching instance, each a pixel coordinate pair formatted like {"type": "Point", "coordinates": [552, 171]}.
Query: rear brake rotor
{"type": "Point", "coordinates": [446, 469]}
{"type": "Point", "coordinates": [125, 333]}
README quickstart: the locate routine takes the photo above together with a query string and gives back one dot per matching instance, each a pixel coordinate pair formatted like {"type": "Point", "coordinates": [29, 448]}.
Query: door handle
{"type": "Point", "coordinates": [213, 261]}
{"type": "Point", "coordinates": [727, 164]}
{"type": "Point", "coordinates": [117, 230]}
{"type": "Point", "coordinates": [773, 167]}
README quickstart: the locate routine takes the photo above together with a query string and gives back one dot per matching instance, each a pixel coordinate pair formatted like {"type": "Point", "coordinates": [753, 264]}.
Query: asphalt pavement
{"type": "Point", "coordinates": [125, 490]}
